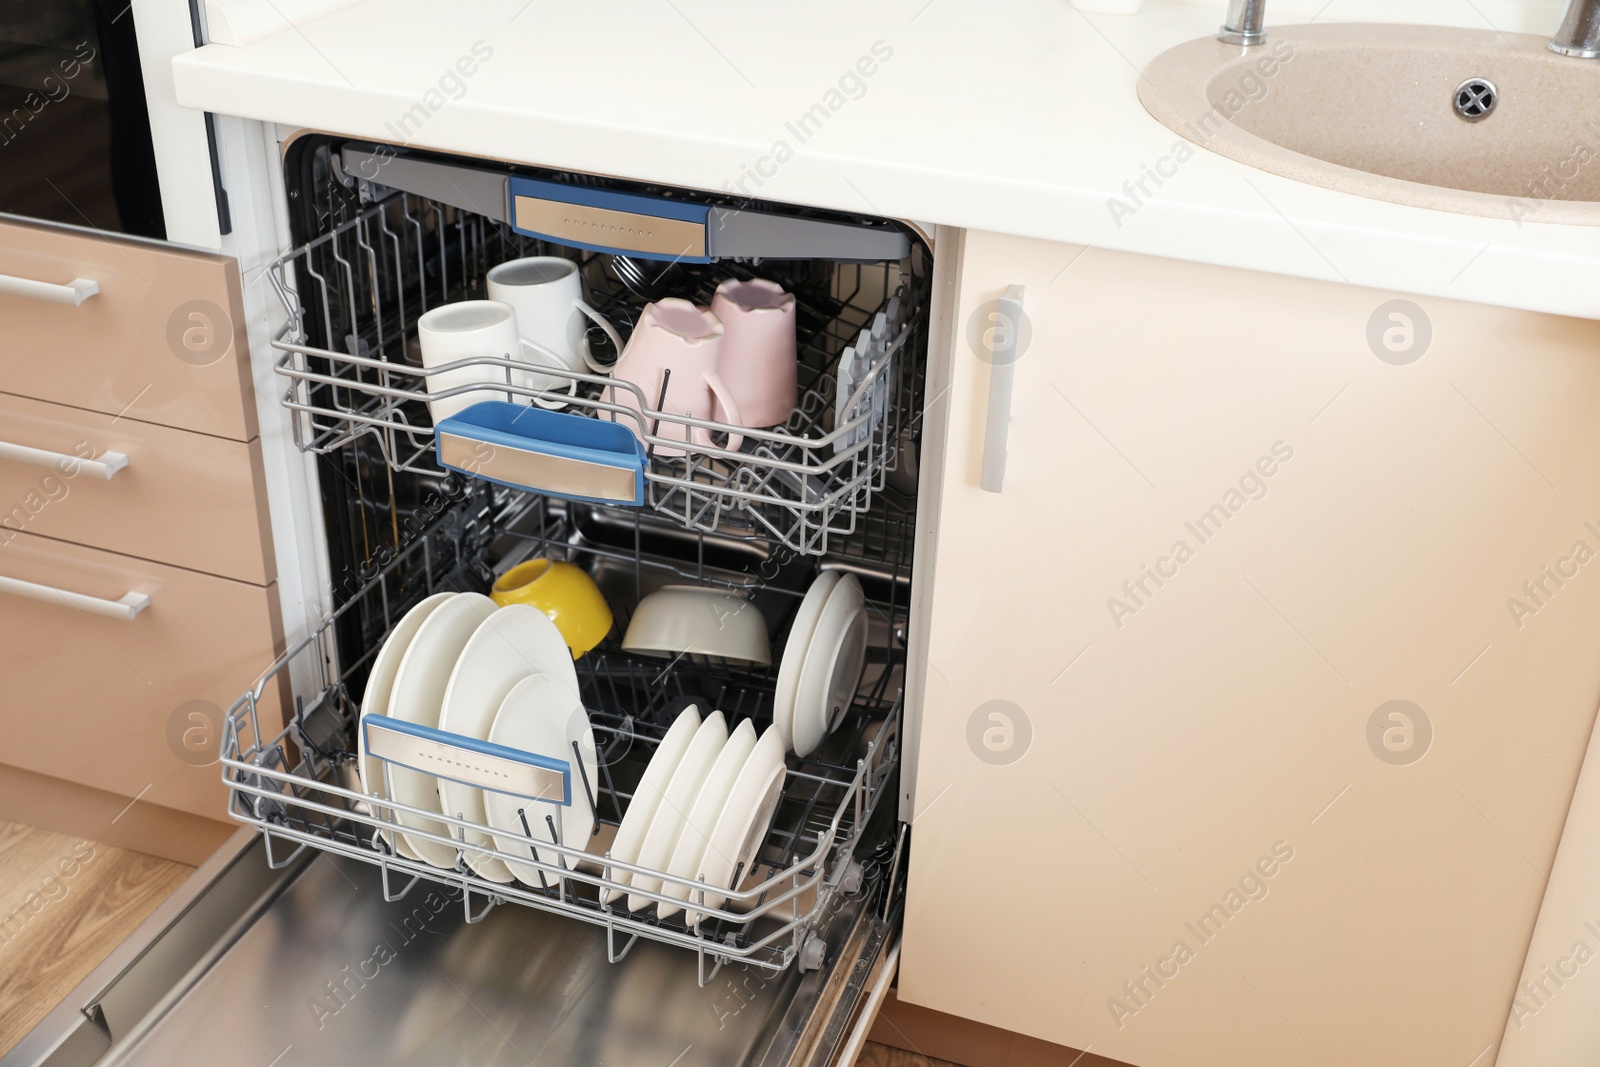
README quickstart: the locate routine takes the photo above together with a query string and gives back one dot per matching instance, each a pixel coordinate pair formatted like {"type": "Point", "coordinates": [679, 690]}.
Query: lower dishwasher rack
{"type": "Point", "coordinates": [297, 789]}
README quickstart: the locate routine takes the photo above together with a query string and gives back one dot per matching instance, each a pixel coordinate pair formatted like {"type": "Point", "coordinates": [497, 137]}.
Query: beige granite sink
{"type": "Point", "coordinates": [1369, 109]}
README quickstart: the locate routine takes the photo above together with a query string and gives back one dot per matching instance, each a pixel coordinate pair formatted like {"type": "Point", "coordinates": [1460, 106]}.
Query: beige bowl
{"type": "Point", "coordinates": [688, 619]}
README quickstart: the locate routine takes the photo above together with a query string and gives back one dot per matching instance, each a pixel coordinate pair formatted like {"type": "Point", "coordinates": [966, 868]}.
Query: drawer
{"type": "Point", "coordinates": [188, 499]}
{"type": "Point", "coordinates": [163, 340]}
{"type": "Point", "coordinates": [132, 706]}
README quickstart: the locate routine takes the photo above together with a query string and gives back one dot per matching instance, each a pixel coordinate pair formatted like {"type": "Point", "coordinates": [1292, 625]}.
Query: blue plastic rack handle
{"type": "Point", "coordinates": [624, 223]}
{"type": "Point", "coordinates": [467, 760]}
{"type": "Point", "coordinates": [552, 452]}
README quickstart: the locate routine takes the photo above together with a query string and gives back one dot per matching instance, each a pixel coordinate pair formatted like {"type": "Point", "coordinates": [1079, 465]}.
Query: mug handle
{"type": "Point", "coordinates": [532, 353]}
{"type": "Point", "coordinates": [730, 413]}
{"type": "Point", "coordinates": [611, 333]}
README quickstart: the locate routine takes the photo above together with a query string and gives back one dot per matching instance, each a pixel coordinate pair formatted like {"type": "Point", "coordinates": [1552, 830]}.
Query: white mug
{"type": "Point", "coordinates": [463, 330]}
{"type": "Point", "coordinates": [552, 318]}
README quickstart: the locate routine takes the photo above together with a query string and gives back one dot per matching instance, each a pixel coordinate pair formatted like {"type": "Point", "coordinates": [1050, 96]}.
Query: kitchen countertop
{"type": "Point", "coordinates": [1019, 116]}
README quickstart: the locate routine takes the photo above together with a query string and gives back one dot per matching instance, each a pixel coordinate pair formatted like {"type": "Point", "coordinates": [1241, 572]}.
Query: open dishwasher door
{"type": "Point", "coordinates": [309, 965]}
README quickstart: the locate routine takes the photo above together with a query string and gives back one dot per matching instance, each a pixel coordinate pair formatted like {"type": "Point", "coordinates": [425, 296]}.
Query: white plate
{"type": "Point", "coordinates": [742, 825]}
{"type": "Point", "coordinates": [667, 824]}
{"type": "Point", "coordinates": [514, 642]}
{"type": "Point", "coordinates": [418, 696]}
{"type": "Point", "coordinates": [375, 701]}
{"type": "Point", "coordinates": [543, 716]}
{"type": "Point", "coordinates": [691, 846]}
{"type": "Point", "coordinates": [833, 664]}
{"type": "Point", "coordinates": [794, 654]}
{"type": "Point", "coordinates": [647, 797]}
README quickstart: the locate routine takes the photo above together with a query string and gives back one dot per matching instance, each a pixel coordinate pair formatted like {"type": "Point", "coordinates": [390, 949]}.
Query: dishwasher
{"type": "Point", "coordinates": [310, 938]}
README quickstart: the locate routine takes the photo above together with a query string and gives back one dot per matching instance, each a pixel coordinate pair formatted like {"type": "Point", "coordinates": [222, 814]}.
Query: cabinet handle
{"type": "Point", "coordinates": [127, 608]}
{"type": "Point", "coordinates": [104, 465]}
{"type": "Point", "coordinates": [74, 292]}
{"type": "Point", "coordinates": [1002, 375]}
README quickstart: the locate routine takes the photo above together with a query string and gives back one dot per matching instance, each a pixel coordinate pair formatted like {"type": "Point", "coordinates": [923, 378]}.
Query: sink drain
{"type": "Point", "coordinates": [1474, 99]}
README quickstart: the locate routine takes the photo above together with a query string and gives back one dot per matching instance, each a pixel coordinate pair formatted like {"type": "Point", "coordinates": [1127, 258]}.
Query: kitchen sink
{"type": "Point", "coordinates": [1470, 121]}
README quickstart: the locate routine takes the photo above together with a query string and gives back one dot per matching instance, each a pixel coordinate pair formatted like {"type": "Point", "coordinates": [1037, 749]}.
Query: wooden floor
{"type": "Point", "coordinates": [65, 904]}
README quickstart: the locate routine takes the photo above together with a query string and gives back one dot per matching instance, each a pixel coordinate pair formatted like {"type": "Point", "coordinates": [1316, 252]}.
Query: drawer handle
{"type": "Point", "coordinates": [1002, 374]}
{"type": "Point", "coordinates": [74, 292]}
{"type": "Point", "coordinates": [127, 608]}
{"type": "Point", "coordinates": [103, 466]}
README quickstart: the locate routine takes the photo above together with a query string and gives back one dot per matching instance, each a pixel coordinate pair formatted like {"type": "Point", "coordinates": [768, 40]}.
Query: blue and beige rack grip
{"type": "Point", "coordinates": [468, 761]}
{"type": "Point", "coordinates": [651, 227]}
{"type": "Point", "coordinates": [552, 452]}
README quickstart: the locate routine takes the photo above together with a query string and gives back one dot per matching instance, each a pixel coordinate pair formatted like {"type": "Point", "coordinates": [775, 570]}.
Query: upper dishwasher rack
{"type": "Point", "coordinates": [354, 293]}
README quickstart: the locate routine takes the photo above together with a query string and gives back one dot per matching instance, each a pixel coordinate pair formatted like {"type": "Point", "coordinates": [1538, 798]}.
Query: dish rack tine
{"type": "Point", "coordinates": [705, 979]}
{"type": "Point", "coordinates": [604, 760]}
{"type": "Point", "coordinates": [389, 896]}
{"type": "Point", "coordinates": [612, 955]}
{"type": "Point", "coordinates": [279, 864]}
{"type": "Point", "coordinates": [466, 904]}
{"type": "Point", "coordinates": [594, 809]}
{"type": "Point", "coordinates": [859, 790]}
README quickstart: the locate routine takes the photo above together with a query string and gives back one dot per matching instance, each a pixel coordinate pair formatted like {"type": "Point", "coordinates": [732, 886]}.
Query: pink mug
{"type": "Point", "coordinates": [757, 360]}
{"type": "Point", "coordinates": [674, 335]}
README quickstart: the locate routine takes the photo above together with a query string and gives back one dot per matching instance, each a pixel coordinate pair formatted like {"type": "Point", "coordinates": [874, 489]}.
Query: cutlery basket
{"type": "Point", "coordinates": [348, 351]}
{"type": "Point", "coordinates": [298, 788]}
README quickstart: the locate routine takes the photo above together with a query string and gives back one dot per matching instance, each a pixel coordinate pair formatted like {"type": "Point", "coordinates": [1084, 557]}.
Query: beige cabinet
{"type": "Point", "coordinates": [1253, 703]}
{"type": "Point", "coordinates": [128, 705]}
{"type": "Point", "coordinates": [137, 595]}
{"type": "Point", "coordinates": [161, 339]}
{"type": "Point", "coordinates": [167, 495]}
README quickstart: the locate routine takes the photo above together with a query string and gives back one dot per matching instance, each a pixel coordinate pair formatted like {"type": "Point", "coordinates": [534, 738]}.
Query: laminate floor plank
{"type": "Point", "coordinates": [64, 905]}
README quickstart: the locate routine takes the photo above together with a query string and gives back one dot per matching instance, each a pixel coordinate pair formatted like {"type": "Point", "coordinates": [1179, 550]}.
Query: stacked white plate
{"type": "Point", "coordinates": [504, 675]}
{"type": "Point", "coordinates": [856, 364]}
{"type": "Point", "coordinates": [822, 662]}
{"type": "Point", "coordinates": [700, 812]}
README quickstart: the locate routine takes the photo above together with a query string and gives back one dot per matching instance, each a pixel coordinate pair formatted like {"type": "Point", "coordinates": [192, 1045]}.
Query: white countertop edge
{"type": "Point", "coordinates": [1218, 213]}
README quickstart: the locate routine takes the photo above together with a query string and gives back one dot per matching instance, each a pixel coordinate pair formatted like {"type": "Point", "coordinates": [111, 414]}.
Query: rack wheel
{"type": "Point", "coordinates": [813, 951]}
{"type": "Point", "coordinates": [851, 877]}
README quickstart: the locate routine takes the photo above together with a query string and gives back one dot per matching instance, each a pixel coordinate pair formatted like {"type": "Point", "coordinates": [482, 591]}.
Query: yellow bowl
{"type": "Point", "coordinates": [563, 592]}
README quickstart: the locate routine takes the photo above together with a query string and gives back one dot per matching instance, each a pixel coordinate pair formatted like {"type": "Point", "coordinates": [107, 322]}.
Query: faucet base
{"type": "Point", "coordinates": [1575, 51]}
{"type": "Point", "coordinates": [1229, 35]}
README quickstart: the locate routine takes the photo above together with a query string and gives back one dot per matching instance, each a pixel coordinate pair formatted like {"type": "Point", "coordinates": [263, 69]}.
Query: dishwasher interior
{"type": "Point", "coordinates": [834, 489]}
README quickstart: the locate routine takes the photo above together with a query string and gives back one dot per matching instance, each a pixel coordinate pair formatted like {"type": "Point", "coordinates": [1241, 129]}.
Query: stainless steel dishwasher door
{"type": "Point", "coordinates": [329, 973]}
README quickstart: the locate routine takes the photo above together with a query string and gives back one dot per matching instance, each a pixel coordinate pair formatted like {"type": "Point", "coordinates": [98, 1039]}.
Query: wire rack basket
{"type": "Point", "coordinates": [297, 784]}
{"type": "Point", "coordinates": [349, 352]}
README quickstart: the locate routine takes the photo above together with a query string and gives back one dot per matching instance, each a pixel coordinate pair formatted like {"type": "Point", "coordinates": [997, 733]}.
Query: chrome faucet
{"type": "Point", "coordinates": [1244, 25]}
{"type": "Point", "coordinates": [1579, 35]}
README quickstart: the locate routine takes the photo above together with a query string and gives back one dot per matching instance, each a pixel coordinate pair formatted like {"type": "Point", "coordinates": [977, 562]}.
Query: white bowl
{"type": "Point", "coordinates": [688, 619]}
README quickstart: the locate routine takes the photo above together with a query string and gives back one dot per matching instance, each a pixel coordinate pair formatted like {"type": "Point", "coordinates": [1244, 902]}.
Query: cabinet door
{"type": "Point", "coordinates": [188, 499]}
{"type": "Point", "coordinates": [1255, 700]}
{"type": "Point", "coordinates": [162, 340]}
{"type": "Point", "coordinates": [130, 706]}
